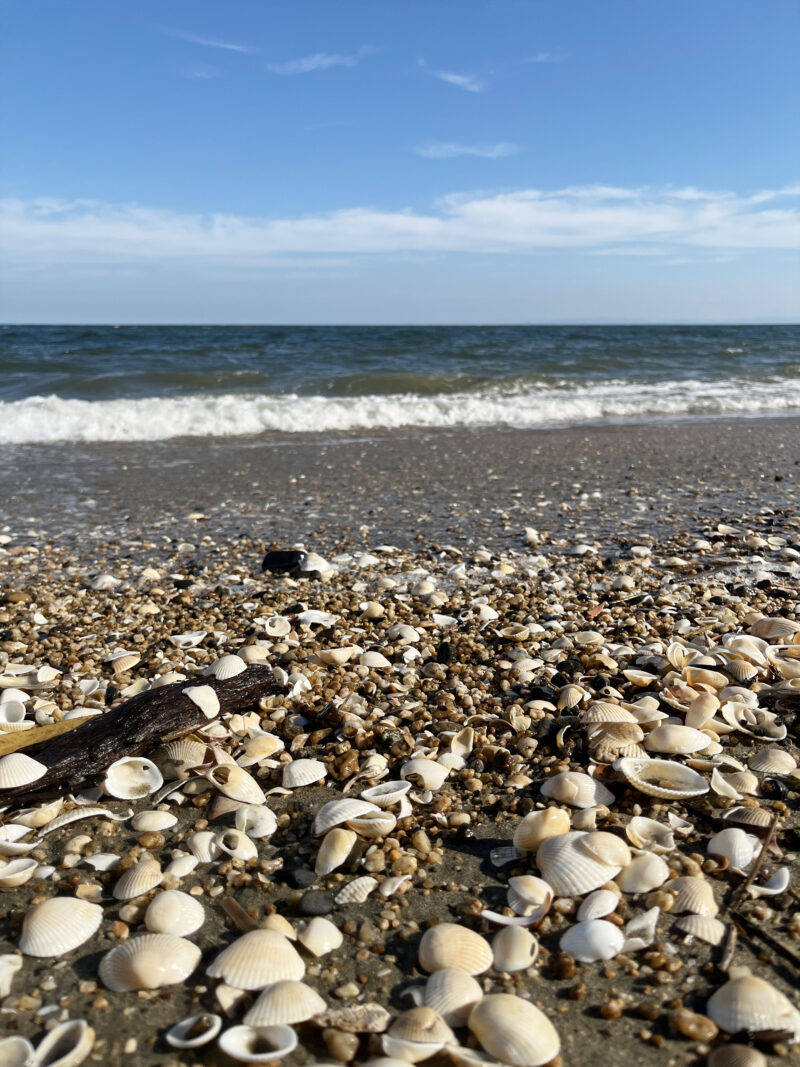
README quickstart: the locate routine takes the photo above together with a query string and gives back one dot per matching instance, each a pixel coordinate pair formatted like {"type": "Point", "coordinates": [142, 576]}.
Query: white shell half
{"type": "Point", "coordinates": [195, 1031]}
{"type": "Point", "coordinates": [148, 962]}
{"type": "Point", "coordinates": [264, 1044]}
{"type": "Point", "coordinates": [593, 940]}
{"type": "Point", "coordinates": [174, 912]}
{"type": "Point", "coordinates": [58, 925]}
{"type": "Point", "coordinates": [132, 777]}
{"type": "Point", "coordinates": [205, 698]}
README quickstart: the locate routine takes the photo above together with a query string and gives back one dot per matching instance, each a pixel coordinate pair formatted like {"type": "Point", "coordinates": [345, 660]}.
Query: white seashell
{"type": "Point", "coordinates": [257, 959]}
{"type": "Point", "coordinates": [236, 783]}
{"type": "Point", "coordinates": [453, 947]}
{"type": "Point", "coordinates": [597, 905]}
{"type": "Point", "coordinates": [571, 870]}
{"type": "Point", "coordinates": [336, 846]}
{"type": "Point", "coordinates": [514, 1031]}
{"type": "Point", "coordinates": [417, 1035]}
{"type": "Point", "coordinates": [105, 583]}
{"type": "Point", "coordinates": [514, 949]}
{"type": "Point", "coordinates": [226, 667]}
{"type": "Point", "coordinates": [528, 895]}
{"type": "Point", "coordinates": [236, 844]}
{"type": "Point", "coordinates": [285, 1003]}
{"type": "Point", "coordinates": [705, 927]}
{"type": "Point", "coordinates": [643, 874]}
{"type": "Point", "coordinates": [265, 1044]}
{"type": "Point", "coordinates": [10, 963]}
{"type": "Point", "coordinates": [391, 885]}
{"type": "Point", "coordinates": [649, 834]}
{"type": "Point", "coordinates": [337, 657]}
{"type": "Point", "coordinates": [374, 660]}
{"type": "Point", "coordinates": [694, 895]}
{"type": "Point", "coordinates": [778, 883]}
{"type": "Point", "coordinates": [260, 748]}
{"type": "Point", "coordinates": [132, 777]}
{"type": "Point", "coordinates": [176, 758]}
{"type": "Point", "coordinates": [734, 845]}
{"type": "Point", "coordinates": [736, 1056]}
{"type": "Point", "coordinates": [424, 773]}
{"type": "Point", "coordinates": [722, 787]}
{"type": "Point", "coordinates": [606, 847]}
{"type": "Point", "coordinates": [195, 1031]}
{"type": "Point", "coordinates": [16, 1052]}
{"type": "Point", "coordinates": [662, 778]}
{"type": "Point", "coordinates": [749, 1003]}
{"type": "Point", "coordinates": [180, 865]}
{"type": "Point", "coordinates": [537, 826]}
{"type": "Point", "coordinates": [678, 740]}
{"type": "Point", "coordinates": [123, 661]}
{"type": "Point", "coordinates": [277, 626]}
{"type": "Point", "coordinates": [174, 912]}
{"type": "Point", "coordinates": [203, 846]}
{"type": "Point", "coordinates": [336, 812]}
{"type": "Point", "coordinates": [386, 794]}
{"type": "Point", "coordinates": [187, 640]}
{"type": "Point", "coordinates": [139, 879]}
{"type": "Point", "coordinates": [153, 821]}
{"type": "Point", "coordinates": [773, 761]}
{"type": "Point", "coordinates": [58, 925]}
{"type": "Point", "coordinates": [205, 698]}
{"type": "Point", "coordinates": [357, 891]}
{"type": "Point", "coordinates": [256, 820]}
{"type": "Point", "coordinates": [594, 939]}
{"type": "Point", "coordinates": [17, 769]}
{"type": "Point", "coordinates": [67, 1045]}
{"type": "Point", "coordinates": [403, 634]}
{"type": "Point", "coordinates": [640, 932]}
{"type": "Point", "coordinates": [87, 812]}
{"type": "Point", "coordinates": [373, 824]}
{"type": "Point", "coordinates": [301, 772]}
{"type": "Point", "coordinates": [319, 936]}
{"type": "Point", "coordinates": [452, 995]}
{"type": "Point", "coordinates": [149, 961]}
{"type": "Point", "coordinates": [576, 789]}
{"type": "Point", "coordinates": [16, 872]}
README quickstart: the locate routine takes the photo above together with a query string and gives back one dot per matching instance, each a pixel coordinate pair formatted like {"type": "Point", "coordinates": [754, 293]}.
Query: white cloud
{"type": "Point", "coordinates": [468, 82]}
{"type": "Point", "coordinates": [546, 57]}
{"type": "Point", "coordinates": [320, 61]}
{"type": "Point", "coordinates": [48, 231]}
{"type": "Point", "coordinates": [448, 150]}
{"type": "Point", "coordinates": [208, 42]}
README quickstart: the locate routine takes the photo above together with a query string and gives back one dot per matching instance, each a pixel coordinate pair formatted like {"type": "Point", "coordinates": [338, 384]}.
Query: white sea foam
{"type": "Point", "coordinates": [52, 418]}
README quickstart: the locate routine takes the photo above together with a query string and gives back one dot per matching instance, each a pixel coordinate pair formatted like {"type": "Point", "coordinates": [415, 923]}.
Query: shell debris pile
{"type": "Point", "coordinates": [499, 791]}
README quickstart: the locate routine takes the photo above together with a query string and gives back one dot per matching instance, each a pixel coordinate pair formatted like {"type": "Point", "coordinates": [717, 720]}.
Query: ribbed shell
{"type": "Point", "coordinates": [757, 820]}
{"type": "Point", "coordinates": [421, 1025]}
{"type": "Point", "coordinates": [226, 667]}
{"type": "Point", "coordinates": [336, 812]}
{"type": "Point", "coordinates": [236, 783]}
{"type": "Point", "coordinates": [736, 1056]}
{"type": "Point", "coordinates": [453, 995]}
{"type": "Point", "coordinates": [643, 874]}
{"type": "Point", "coordinates": [139, 879]}
{"type": "Point", "coordinates": [148, 962]}
{"type": "Point", "coordinates": [662, 778]}
{"type": "Point", "coordinates": [734, 845]}
{"type": "Point", "coordinates": [749, 1003]}
{"type": "Point", "coordinates": [257, 959]}
{"type": "Point", "coordinates": [577, 789]}
{"type": "Point", "coordinates": [205, 698]}
{"type": "Point", "coordinates": [18, 769]}
{"type": "Point", "coordinates": [454, 947]}
{"type": "Point", "coordinates": [285, 1002]}
{"type": "Point", "coordinates": [302, 772]}
{"type": "Point", "coordinates": [693, 895]}
{"type": "Point", "coordinates": [773, 761]}
{"type": "Point", "coordinates": [569, 869]}
{"type": "Point", "coordinates": [58, 925]}
{"type": "Point", "coordinates": [357, 891]}
{"type": "Point", "coordinates": [174, 912]}
{"type": "Point", "coordinates": [594, 939]}
{"type": "Point", "coordinates": [514, 1031]}
{"type": "Point", "coordinates": [705, 927]}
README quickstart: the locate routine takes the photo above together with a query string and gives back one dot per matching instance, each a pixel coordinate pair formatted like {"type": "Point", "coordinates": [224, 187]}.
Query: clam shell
{"type": "Point", "coordinates": [176, 758]}
{"type": "Point", "coordinates": [514, 1031]}
{"type": "Point", "coordinates": [256, 820]}
{"type": "Point", "coordinates": [286, 1002]}
{"type": "Point", "coordinates": [662, 778]}
{"type": "Point", "coordinates": [16, 872]}
{"type": "Point", "coordinates": [319, 936]}
{"type": "Point", "coordinates": [537, 826]}
{"type": "Point", "coordinates": [149, 961]}
{"type": "Point", "coordinates": [174, 912]}
{"type": "Point", "coordinates": [277, 626]}
{"type": "Point", "coordinates": [425, 773]}
{"type": "Point", "coordinates": [453, 995]}
{"type": "Point", "coordinates": [678, 740]}
{"type": "Point", "coordinates": [597, 905]}
{"type": "Point", "coordinates": [591, 940]}
{"type": "Point", "coordinates": [453, 947]}
{"type": "Point", "coordinates": [778, 883]}
{"type": "Point", "coordinates": [258, 959]}
{"type": "Point", "coordinates": [139, 879]}
{"type": "Point", "coordinates": [203, 846]}
{"type": "Point", "coordinates": [205, 698]}
{"type": "Point", "coordinates": [528, 895]}
{"type": "Point", "coordinates": [757, 820]}
{"type": "Point", "coordinates": [58, 925]}
{"type": "Point", "coordinates": [694, 895]}
{"type": "Point", "coordinates": [357, 891]}
{"type": "Point", "coordinates": [649, 834]}
{"type": "Point", "coordinates": [514, 949]}
{"type": "Point", "coordinates": [336, 812]}
{"type": "Point", "coordinates": [236, 783]}
{"type": "Point", "coordinates": [421, 1026]}
{"type": "Point", "coordinates": [643, 874]}
{"type": "Point", "coordinates": [16, 1052]}
{"type": "Point", "coordinates": [266, 1044]}
{"type": "Point", "coordinates": [226, 667]}
{"type": "Point", "coordinates": [67, 1045]}
{"type": "Point", "coordinates": [570, 870]}
{"type": "Point", "coordinates": [260, 748]}
{"type": "Point", "coordinates": [734, 845]}
{"type": "Point", "coordinates": [153, 821]}
{"type": "Point", "coordinates": [576, 789]}
{"type": "Point", "coordinates": [736, 1056]}
{"type": "Point", "coordinates": [132, 777]}
{"type": "Point", "coordinates": [386, 794]}
{"type": "Point", "coordinates": [195, 1031]}
{"type": "Point", "coordinates": [602, 711]}
{"type": "Point", "coordinates": [606, 847]}
{"type": "Point", "coordinates": [335, 848]}
{"type": "Point", "coordinates": [302, 772]}
{"type": "Point", "coordinates": [706, 927]}
{"type": "Point", "coordinates": [749, 1003]}
{"type": "Point", "coordinates": [773, 761]}
{"type": "Point", "coordinates": [17, 769]}
{"type": "Point", "coordinates": [373, 824]}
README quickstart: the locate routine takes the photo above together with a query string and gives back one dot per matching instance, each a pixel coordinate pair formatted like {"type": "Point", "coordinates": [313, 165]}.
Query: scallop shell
{"type": "Point", "coordinates": [148, 962]}
{"type": "Point", "coordinates": [597, 905]}
{"type": "Point", "coordinates": [236, 783]}
{"type": "Point", "coordinates": [537, 826]}
{"type": "Point", "coordinates": [153, 821]}
{"type": "Point", "coordinates": [775, 627]}
{"type": "Point", "coordinates": [302, 772]}
{"type": "Point", "coordinates": [205, 698]}
{"type": "Point", "coordinates": [571, 870]}
{"type": "Point", "coordinates": [602, 711]}
{"type": "Point", "coordinates": [734, 845]}
{"type": "Point", "coordinates": [141, 878]}
{"type": "Point", "coordinates": [453, 995]}
{"type": "Point", "coordinates": [425, 773]}
{"type": "Point", "coordinates": [357, 891]}
{"type": "Point", "coordinates": [773, 761]}
{"type": "Point", "coordinates": [576, 789]}
{"type": "Point", "coordinates": [453, 947]}
{"type": "Point", "coordinates": [226, 667]}
{"type": "Point", "coordinates": [132, 777]}
{"type": "Point", "coordinates": [256, 820]}
{"type": "Point", "coordinates": [662, 778]}
{"type": "Point", "coordinates": [195, 1031]}
{"type": "Point", "coordinates": [174, 912]}
{"type": "Point", "coordinates": [649, 834]}
{"type": "Point", "coordinates": [336, 812]}
{"type": "Point", "coordinates": [749, 1003]}
{"type": "Point", "coordinates": [643, 874]}
{"type": "Point", "coordinates": [706, 927]}
{"type": "Point", "coordinates": [17, 769]}
{"type": "Point", "coordinates": [265, 1044]}
{"type": "Point", "coordinates": [258, 959]}
{"type": "Point", "coordinates": [694, 895]}
{"type": "Point", "coordinates": [58, 925]}
{"type": "Point", "coordinates": [514, 1031]}
{"type": "Point", "coordinates": [514, 949]}
{"type": "Point", "coordinates": [591, 940]}
{"type": "Point", "coordinates": [67, 1045]}
{"type": "Point", "coordinates": [286, 1002]}
{"type": "Point", "coordinates": [335, 848]}
{"type": "Point", "coordinates": [319, 936]}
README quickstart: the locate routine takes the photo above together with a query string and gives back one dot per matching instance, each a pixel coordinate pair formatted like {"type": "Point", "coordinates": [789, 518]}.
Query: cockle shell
{"type": "Point", "coordinates": [706, 927]}
{"type": "Point", "coordinates": [67, 1045]}
{"type": "Point", "coordinates": [694, 895]}
{"type": "Point", "coordinates": [773, 761]}
{"type": "Point", "coordinates": [591, 940]}
{"type": "Point", "coordinates": [749, 1003]}
{"type": "Point", "coordinates": [514, 949]}
{"type": "Point", "coordinates": [601, 711]}
{"type": "Point", "coordinates": [757, 820]}
{"type": "Point", "coordinates": [319, 936]}
{"type": "Point", "coordinates": [226, 667]}
{"type": "Point", "coordinates": [643, 874]}
{"type": "Point", "coordinates": [736, 1056]}
{"type": "Point", "coordinates": [203, 846]}
{"type": "Point", "coordinates": [236, 844]}
{"type": "Point", "coordinates": [417, 1034]}
{"type": "Point", "coordinates": [263, 1044]}
{"type": "Point", "coordinates": [286, 1002]}
{"type": "Point", "coordinates": [301, 772]}
{"type": "Point", "coordinates": [195, 1031]}
{"type": "Point", "coordinates": [141, 878]}
{"type": "Point", "coordinates": [425, 773]}
{"type": "Point", "coordinates": [236, 783]}
{"type": "Point", "coordinates": [537, 826]}
{"type": "Point", "coordinates": [662, 778]}
{"type": "Point", "coordinates": [205, 698]}
{"type": "Point", "coordinates": [606, 847]}
{"type": "Point", "coordinates": [678, 740]}
{"type": "Point", "coordinates": [257, 959]}
{"type": "Point", "coordinates": [734, 845]}
{"type": "Point", "coordinates": [177, 758]}
{"type": "Point", "coordinates": [453, 995]}
{"type": "Point", "coordinates": [514, 1031]}
{"type": "Point", "coordinates": [577, 789]}
{"type": "Point", "coordinates": [174, 912]}
{"type": "Point", "coordinates": [570, 870]}
{"type": "Point", "coordinates": [149, 961]}
{"type": "Point", "coordinates": [378, 823]}
{"type": "Point", "coordinates": [58, 925]}
{"type": "Point", "coordinates": [453, 947]}
{"type": "Point", "coordinates": [336, 812]}
{"type": "Point", "coordinates": [260, 748]}
{"type": "Point", "coordinates": [336, 846]}
{"type": "Point", "coordinates": [17, 769]}
{"type": "Point", "coordinates": [132, 777]}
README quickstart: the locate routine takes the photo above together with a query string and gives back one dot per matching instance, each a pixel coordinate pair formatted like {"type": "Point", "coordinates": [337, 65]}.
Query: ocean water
{"type": "Point", "coordinates": [139, 383]}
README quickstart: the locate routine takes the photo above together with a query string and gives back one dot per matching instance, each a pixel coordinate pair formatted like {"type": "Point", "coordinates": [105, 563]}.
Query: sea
{"type": "Point", "coordinates": [150, 383]}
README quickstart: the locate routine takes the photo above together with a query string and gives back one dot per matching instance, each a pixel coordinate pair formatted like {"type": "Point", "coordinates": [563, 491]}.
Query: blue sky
{"type": "Point", "coordinates": [460, 161]}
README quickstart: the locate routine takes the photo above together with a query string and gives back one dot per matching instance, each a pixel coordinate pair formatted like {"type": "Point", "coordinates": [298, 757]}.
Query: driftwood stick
{"type": "Point", "coordinates": [140, 724]}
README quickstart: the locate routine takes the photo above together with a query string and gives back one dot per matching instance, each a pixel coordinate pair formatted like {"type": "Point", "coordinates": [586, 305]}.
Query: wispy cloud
{"type": "Point", "coordinates": [201, 73]}
{"type": "Point", "coordinates": [208, 42]}
{"type": "Point", "coordinates": [546, 57]}
{"type": "Point", "coordinates": [321, 61]}
{"type": "Point", "coordinates": [47, 231]}
{"type": "Point", "coordinates": [448, 150]}
{"type": "Point", "coordinates": [468, 82]}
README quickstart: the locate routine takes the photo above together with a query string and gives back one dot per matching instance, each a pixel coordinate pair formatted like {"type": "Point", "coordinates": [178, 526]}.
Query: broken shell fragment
{"type": "Point", "coordinates": [319, 936]}
{"type": "Point", "coordinates": [205, 698]}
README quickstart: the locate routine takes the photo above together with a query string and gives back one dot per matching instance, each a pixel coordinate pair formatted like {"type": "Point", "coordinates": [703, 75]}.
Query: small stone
{"type": "Point", "coordinates": [345, 766]}
{"type": "Point", "coordinates": [282, 561]}
{"type": "Point", "coordinates": [694, 1026]}
{"type": "Point", "coordinates": [301, 877]}
{"type": "Point", "coordinates": [342, 1046]}
{"type": "Point", "coordinates": [316, 902]}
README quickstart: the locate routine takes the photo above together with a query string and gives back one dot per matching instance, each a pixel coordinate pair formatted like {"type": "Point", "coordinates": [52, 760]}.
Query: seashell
{"type": "Point", "coordinates": [260, 748]}
{"type": "Point", "coordinates": [286, 1003]}
{"type": "Point", "coordinates": [16, 872]}
{"type": "Point", "coordinates": [757, 820]}
{"type": "Point", "coordinates": [778, 883]}
{"type": "Point", "coordinates": [514, 1031]}
{"type": "Point", "coordinates": [528, 895]}
{"type": "Point", "coordinates": [424, 773]}
{"type": "Point", "coordinates": [16, 1052]}
{"type": "Point", "coordinates": [67, 1045]}
{"type": "Point", "coordinates": [453, 947]}
{"type": "Point", "coordinates": [236, 783]}
{"type": "Point", "coordinates": [703, 676]}
{"type": "Point", "coordinates": [706, 927]}
{"type": "Point", "coordinates": [597, 905]}
{"type": "Point", "coordinates": [452, 995]}
{"type": "Point", "coordinates": [337, 657]}
{"type": "Point", "coordinates": [141, 878]}
{"type": "Point", "coordinates": [195, 1031]}
{"type": "Point", "coordinates": [226, 667]}
{"type": "Point", "coordinates": [17, 769]}
{"type": "Point", "coordinates": [649, 834]}
{"type": "Point", "coordinates": [123, 661]}
{"type": "Point", "coordinates": [180, 865]}
{"type": "Point", "coordinates": [734, 845]}
{"type": "Point", "coordinates": [374, 660]}
{"type": "Point", "coordinates": [417, 1034]}
{"type": "Point", "coordinates": [403, 634]}
{"type": "Point", "coordinates": [334, 850]}
{"type": "Point", "coordinates": [76, 814]}
{"type": "Point", "coordinates": [678, 740]}
{"type": "Point", "coordinates": [236, 844]}
{"type": "Point", "coordinates": [514, 949]}
{"type": "Point", "coordinates": [662, 778]}
{"type": "Point", "coordinates": [373, 824]}
{"type": "Point", "coordinates": [606, 847]}
{"type": "Point", "coordinates": [537, 826]}
{"type": "Point", "coordinates": [264, 1044]}
{"type": "Point", "coordinates": [773, 761]}
{"type": "Point", "coordinates": [694, 895]}
{"type": "Point", "coordinates": [205, 698]}
{"type": "Point", "coordinates": [742, 783]}
{"type": "Point", "coordinates": [258, 959]}
{"type": "Point", "coordinates": [591, 940]}
{"type": "Point", "coordinates": [336, 812]}
{"type": "Point", "coordinates": [319, 936]}
{"type": "Point", "coordinates": [203, 846]}
{"type": "Point", "coordinates": [132, 777]}
{"type": "Point", "coordinates": [276, 626]}
{"type": "Point", "coordinates": [389, 886]}
{"type": "Point", "coordinates": [641, 679]}
{"type": "Point", "coordinates": [371, 609]}
{"type": "Point", "coordinates": [569, 696]}
{"type": "Point", "coordinates": [749, 1003]}
{"type": "Point", "coordinates": [176, 758]}
{"type": "Point", "coordinates": [10, 964]}
{"type": "Point", "coordinates": [58, 925]}
{"type": "Point", "coordinates": [515, 632]}
{"type": "Point", "coordinates": [386, 794]}
{"type": "Point", "coordinates": [577, 789]}
{"type": "Point", "coordinates": [640, 932]}
{"type": "Point", "coordinates": [736, 1056]}
{"type": "Point", "coordinates": [601, 711]}
{"type": "Point", "coordinates": [302, 772]}
{"type": "Point", "coordinates": [741, 671]}
{"type": "Point", "coordinates": [464, 742]}
{"type": "Point", "coordinates": [357, 891]}
{"type": "Point", "coordinates": [701, 710]}
{"type": "Point", "coordinates": [774, 628]}
{"type": "Point", "coordinates": [256, 820]}
{"type": "Point", "coordinates": [643, 874]}
{"type": "Point", "coordinates": [153, 821]}
{"type": "Point", "coordinates": [39, 816]}
{"type": "Point", "coordinates": [10, 843]}
{"type": "Point", "coordinates": [174, 912]}
{"type": "Point", "coordinates": [570, 870]}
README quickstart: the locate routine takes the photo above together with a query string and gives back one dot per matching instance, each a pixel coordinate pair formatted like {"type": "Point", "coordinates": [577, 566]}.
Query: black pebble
{"type": "Point", "coordinates": [282, 560]}
{"type": "Point", "coordinates": [316, 902]}
{"type": "Point", "coordinates": [444, 653]}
